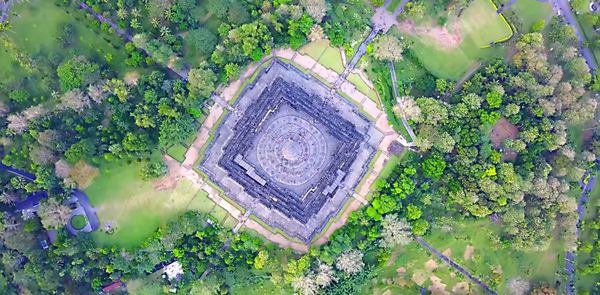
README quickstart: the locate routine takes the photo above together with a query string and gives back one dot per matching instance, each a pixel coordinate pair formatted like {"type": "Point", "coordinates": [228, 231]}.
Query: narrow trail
{"type": "Point", "coordinates": [455, 265]}
{"type": "Point", "coordinates": [183, 74]}
{"type": "Point", "coordinates": [413, 137]}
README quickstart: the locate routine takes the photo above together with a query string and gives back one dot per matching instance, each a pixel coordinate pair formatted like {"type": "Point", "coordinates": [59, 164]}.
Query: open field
{"type": "Point", "coordinates": [135, 209]}
{"type": "Point", "coordinates": [39, 30]}
{"type": "Point", "coordinates": [477, 27]}
{"type": "Point", "coordinates": [485, 259]}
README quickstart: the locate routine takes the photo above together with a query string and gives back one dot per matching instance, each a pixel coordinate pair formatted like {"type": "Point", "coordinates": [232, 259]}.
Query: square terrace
{"type": "Point", "coordinates": [290, 151]}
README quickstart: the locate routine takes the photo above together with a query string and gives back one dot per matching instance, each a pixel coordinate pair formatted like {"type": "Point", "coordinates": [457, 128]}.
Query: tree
{"type": "Point", "coordinates": [154, 169]}
{"type": "Point", "coordinates": [433, 166]}
{"type": "Point", "coordinates": [177, 130]}
{"type": "Point", "coordinates": [82, 149]}
{"type": "Point", "coordinates": [413, 212]}
{"type": "Point", "coordinates": [350, 262]}
{"type": "Point", "coordinates": [315, 8]}
{"type": "Point", "coordinates": [201, 81]}
{"type": "Point", "coordinates": [201, 40]}
{"type": "Point", "coordinates": [420, 227]}
{"type": "Point", "coordinates": [77, 72]}
{"type": "Point", "coordinates": [494, 99]}
{"type": "Point", "coordinates": [388, 47]}
{"type": "Point", "coordinates": [394, 232]}
{"type": "Point", "coordinates": [232, 71]}
{"type": "Point", "coordinates": [53, 213]}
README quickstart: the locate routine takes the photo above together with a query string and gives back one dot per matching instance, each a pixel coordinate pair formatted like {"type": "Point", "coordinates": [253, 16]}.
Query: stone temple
{"type": "Point", "coordinates": [290, 151]}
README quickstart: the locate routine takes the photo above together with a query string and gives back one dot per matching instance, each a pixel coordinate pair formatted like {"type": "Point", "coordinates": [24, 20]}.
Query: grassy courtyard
{"type": "Point", "coordinates": [529, 12]}
{"type": "Point", "coordinates": [477, 27]}
{"type": "Point", "coordinates": [135, 209]}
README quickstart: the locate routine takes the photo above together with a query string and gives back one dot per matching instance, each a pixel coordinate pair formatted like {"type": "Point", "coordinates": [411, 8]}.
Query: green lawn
{"type": "Point", "coordinates": [530, 11]}
{"type": "Point", "coordinates": [78, 222]}
{"type": "Point", "coordinates": [332, 59]}
{"type": "Point", "coordinates": [315, 49]}
{"type": "Point", "coordinates": [363, 87]}
{"type": "Point", "coordinates": [393, 5]}
{"type": "Point", "coordinates": [480, 25]}
{"type": "Point", "coordinates": [132, 205]}
{"type": "Point", "coordinates": [177, 152]}
{"type": "Point", "coordinates": [487, 258]}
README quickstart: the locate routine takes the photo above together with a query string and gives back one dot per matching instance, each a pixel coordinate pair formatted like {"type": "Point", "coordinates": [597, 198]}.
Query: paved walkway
{"type": "Point", "coordinates": [455, 265]}
{"type": "Point", "coordinates": [5, 7]}
{"type": "Point", "coordinates": [570, 257]}
{"type": "Point", "coordinates": [562, 7]}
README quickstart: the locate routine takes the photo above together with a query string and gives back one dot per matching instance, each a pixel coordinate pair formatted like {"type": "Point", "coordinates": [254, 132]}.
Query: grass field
{"type": "Point", "coordinates": [479, 25]}
{"type": "Point", "coordinates": [489, 261]}
{"type": "Point", "coordinates": [135, 208]}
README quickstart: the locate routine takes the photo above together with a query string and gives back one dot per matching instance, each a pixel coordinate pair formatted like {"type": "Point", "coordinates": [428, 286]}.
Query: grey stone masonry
{"type": "Point", "coordinates": [289, 154]}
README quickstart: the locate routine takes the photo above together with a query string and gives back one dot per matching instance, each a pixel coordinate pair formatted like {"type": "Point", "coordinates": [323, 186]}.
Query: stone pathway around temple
{"type": "Point", "coordinates": [225, 100]}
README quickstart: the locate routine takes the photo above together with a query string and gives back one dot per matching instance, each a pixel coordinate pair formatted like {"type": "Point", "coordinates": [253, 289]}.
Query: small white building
{"type": "Point", "coordinates": [174, 270]}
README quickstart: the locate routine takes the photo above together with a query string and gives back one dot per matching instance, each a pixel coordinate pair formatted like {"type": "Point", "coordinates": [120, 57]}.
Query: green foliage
{"type": "Point", "coordinates": [538, 26]}
{"type": "Point", "coordinates": [433, 166]}
{"type": "Point", "coordinates": [153, 169]}
{"type": "Point", "coordinates": [420, 227]}
{"type": "Point", "coordinates": [83, 149]}
{"type": "Point", "coordinates": [77, 72]}
{"type": "Point", "coordinates": [413, 212]}
{"type": "Point", "coordinates": [201, 40]}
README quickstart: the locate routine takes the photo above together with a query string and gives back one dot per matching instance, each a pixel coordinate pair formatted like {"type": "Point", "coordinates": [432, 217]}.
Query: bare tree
{"type": "Point", "coordinates": [315, 8]}
{"type": "Point", "coordinates": [350, 262]}
{"type": "Point", "coordinates": [53, 213]}
{"type": "Point", "coordinates": [388, 47]}
{"type": "Point", "coordinates": [17, 123]}
{"type": "Point", "coordinates": [305, 285]}
{"type": "Point", "coordinates": [407, 108]}
{"type": "Point", "coordinates": [394, 231]}
{"type": "Point", "coordinates": [325, 275]}
{"type": "Point", "coordinates": [518, 286]}
{"type": "Point", "coordinates": [42, 156]}
{"type": "Point", "coordinates": [75, 100]}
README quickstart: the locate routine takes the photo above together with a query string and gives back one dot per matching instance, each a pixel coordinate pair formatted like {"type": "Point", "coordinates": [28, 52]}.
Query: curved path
{"type": "Point", "coordinates": [455, 265]}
